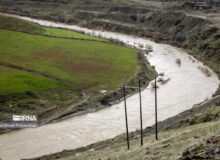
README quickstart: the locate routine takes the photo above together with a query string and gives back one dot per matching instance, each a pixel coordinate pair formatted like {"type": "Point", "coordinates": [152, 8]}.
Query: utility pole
{"type": "Point", "coordinates": [140, 112]}
{"type": "Point", "coordinates": [156, 131]}
{"type": "Point", "coordinates": [126, 116]}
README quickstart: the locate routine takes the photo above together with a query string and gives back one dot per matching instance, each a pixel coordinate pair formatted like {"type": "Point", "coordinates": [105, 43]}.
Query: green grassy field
{"type": "Point", "coordinates": [81, 64]}
{"type": "Point", "coordinates": [12, 80]}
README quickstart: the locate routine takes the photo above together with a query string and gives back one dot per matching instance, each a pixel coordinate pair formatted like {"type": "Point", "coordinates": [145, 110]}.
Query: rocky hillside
{"type": "Point", "coordinates": [198, 36]}
{"type": "Point", "coordinates": [208, 150]}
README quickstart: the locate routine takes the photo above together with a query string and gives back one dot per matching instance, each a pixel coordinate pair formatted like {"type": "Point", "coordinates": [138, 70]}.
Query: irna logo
{"type": "Point", "coordinates": [26, 118]}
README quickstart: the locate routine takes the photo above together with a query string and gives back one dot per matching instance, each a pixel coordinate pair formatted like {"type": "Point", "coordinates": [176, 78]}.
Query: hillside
{"type": "Point", "coordinates": [44, 70]}
{"type": "Point", "coordinates": [193, 134]}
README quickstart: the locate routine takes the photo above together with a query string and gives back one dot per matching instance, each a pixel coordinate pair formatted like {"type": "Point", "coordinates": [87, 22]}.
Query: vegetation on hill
{"type": "Point", "coordinates": [19, 25]}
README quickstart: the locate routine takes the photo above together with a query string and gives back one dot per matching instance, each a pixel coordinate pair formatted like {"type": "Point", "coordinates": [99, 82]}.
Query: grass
{"type": "Point", "coordinates": [20, 25]}
{"type": "Point", "coordinates": [16, 80]}
{"type": "Point", "coordinates": [83, 64]}
{"type": "Point", "coordinates": [68, 34]}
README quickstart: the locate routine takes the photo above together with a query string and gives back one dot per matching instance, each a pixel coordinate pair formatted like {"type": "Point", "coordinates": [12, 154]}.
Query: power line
{"type": "Point", "coordinates": [126, 116]}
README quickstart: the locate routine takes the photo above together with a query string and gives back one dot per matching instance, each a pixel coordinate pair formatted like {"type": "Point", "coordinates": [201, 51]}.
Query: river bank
{"type": "Point", "coordinates": [179, 136]}
{"type": "Point", "coordinates": [146, 74]}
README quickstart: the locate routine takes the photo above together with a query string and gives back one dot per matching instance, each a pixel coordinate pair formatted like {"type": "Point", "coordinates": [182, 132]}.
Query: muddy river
{"type": "Point", "coordinates": [187, 86]}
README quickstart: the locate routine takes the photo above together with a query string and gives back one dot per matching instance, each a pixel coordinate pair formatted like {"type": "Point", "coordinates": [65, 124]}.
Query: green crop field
{"type": "Point", "coordinates": [70, 63]}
